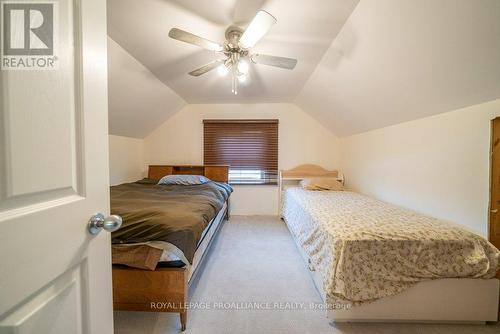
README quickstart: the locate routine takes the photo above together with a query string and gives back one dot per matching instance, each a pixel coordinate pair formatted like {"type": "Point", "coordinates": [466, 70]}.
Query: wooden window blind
{"type": "Point", "coordinates": [249, 147]}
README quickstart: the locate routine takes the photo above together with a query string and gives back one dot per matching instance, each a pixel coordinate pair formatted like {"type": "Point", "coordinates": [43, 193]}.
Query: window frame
{"type": "Point", "coordinates": [267, 166]}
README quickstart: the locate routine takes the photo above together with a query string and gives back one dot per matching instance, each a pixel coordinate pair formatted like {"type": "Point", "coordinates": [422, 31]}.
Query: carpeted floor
{"type": "Point", "coordinates": [254, 263]}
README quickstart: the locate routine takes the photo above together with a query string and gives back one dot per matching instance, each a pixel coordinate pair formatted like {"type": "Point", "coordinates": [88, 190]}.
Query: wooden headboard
{"type": "Point", "coordinates": [219, 173]}
{"type": "Point", "coordinates": [304, 171]}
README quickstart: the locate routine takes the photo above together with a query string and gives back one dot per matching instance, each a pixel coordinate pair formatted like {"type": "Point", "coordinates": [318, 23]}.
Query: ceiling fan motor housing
{"type": "Point", "coordinates": [232, 49]}
{"type": "Point", "coordinates": [233, 35]}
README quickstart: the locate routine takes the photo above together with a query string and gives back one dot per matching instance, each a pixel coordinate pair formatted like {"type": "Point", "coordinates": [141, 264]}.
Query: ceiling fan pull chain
{"type": "Point", "coordinates": [235, 84]}
{"type": "Point", "coordinates": [232, 83]}
{"type": "Point", "coordinates": [235, 81]}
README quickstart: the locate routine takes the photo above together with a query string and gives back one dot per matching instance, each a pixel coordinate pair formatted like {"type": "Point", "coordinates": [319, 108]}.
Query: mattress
{"type": "Point", "coordinates": [364, 249]}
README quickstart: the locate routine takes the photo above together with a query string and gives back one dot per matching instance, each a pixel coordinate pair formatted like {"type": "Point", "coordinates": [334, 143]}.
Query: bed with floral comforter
{"type": "Point", "coordinates": [365, 249]}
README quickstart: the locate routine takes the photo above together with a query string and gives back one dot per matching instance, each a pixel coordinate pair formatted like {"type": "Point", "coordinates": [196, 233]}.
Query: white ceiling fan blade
{"type": "Point", "coordinates": [283, 62]}
{"type": "Point", "coordinates": [259, 26]}
{"type": "Point", "coordinates": [244, 10]}
{"type": "Point", "coordinates": [190, 38]}
{"type": "Point", "coordinates": [208, 67]}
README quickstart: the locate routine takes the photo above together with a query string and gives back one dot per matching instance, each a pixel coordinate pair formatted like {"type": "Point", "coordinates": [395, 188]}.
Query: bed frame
{"type": "Point", "coordinates": [166, 289]}
{"type": "Point", "coordinates": [449, 300]}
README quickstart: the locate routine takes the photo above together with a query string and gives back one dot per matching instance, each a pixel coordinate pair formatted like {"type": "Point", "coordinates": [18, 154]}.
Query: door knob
{"type": "Point", "coordinates": [494, 211]}
{"type": "Point", "coordinates": [99, 222]}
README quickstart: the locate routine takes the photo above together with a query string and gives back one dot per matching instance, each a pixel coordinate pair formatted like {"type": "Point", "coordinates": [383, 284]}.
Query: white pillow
{"type": "Point", "coordinates": [321, 183]}
{"type": "Point", "coordinates": [186, 180]}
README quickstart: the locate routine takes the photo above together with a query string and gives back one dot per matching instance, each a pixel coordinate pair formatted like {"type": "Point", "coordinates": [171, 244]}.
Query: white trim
{"type": "Point", "coordinates": [441, 300]}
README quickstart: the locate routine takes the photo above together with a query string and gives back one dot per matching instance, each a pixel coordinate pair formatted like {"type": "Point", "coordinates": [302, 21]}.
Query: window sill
{"type": "Point", "coordinates": [253, 183]}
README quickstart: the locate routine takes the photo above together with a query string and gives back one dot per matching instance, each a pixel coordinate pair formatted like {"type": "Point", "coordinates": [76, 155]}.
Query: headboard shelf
{"type": "Point", "coordinates": [218, 173]}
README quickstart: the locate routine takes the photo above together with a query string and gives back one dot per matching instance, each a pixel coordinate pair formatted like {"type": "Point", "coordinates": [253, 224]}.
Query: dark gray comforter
{"type": "Point", "coordinates": [177, 214]}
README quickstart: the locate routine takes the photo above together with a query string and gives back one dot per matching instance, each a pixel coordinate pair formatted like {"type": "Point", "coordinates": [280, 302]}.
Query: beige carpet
{"type": "Point", "coordinates": [254, 263]}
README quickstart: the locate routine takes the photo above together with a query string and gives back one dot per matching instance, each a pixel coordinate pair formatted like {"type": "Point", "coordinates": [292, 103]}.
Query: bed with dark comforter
{"type": "Point", "coordinates": [177, 214]}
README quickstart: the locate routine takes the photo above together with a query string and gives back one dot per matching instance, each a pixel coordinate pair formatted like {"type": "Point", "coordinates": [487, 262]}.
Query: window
{"type": "Point", "coordinates": [249, 147]}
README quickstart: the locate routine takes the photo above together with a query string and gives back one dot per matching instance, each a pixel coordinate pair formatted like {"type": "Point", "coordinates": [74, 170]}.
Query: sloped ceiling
{"type": "Point", "coordinates": [399, 60]}
{"type": "Point", "coordinates": [360, 67]}
{"type": "Point", "coordinates": [138, 101]}
{"type": "Point", "coordinates": [305, 30]}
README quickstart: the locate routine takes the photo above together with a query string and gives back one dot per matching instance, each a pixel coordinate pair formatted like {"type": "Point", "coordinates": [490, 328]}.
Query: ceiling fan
{"type": "Point", "coordinates": [237, 49]}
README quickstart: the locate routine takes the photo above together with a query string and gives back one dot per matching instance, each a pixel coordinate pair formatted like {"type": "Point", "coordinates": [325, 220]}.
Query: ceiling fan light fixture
{"type": "Point", "coordinates": [243, 78]}
{"type": "Point", "coordinates": [243, 66]}
{"type": "Point", "coordinates": [222, 70]}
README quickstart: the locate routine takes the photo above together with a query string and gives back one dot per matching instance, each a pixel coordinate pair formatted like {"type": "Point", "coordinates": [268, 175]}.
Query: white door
{"type": "Point", "coordinates": [55, 277]}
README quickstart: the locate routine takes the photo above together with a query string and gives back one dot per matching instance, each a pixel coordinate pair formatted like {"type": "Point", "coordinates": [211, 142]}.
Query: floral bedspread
{"type": "Point", "coordinates": [367, 249]}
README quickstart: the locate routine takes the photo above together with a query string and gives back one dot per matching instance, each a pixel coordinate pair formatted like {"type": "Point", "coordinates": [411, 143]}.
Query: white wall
{"type": "Point", "coordinates": [138, 101]}
{"type": "Point", "coordinates": [301, 140]}
{"type": "Point", "coordinates": [438, 165]}
{"type": "Point", "coordinates": [126, 159]}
